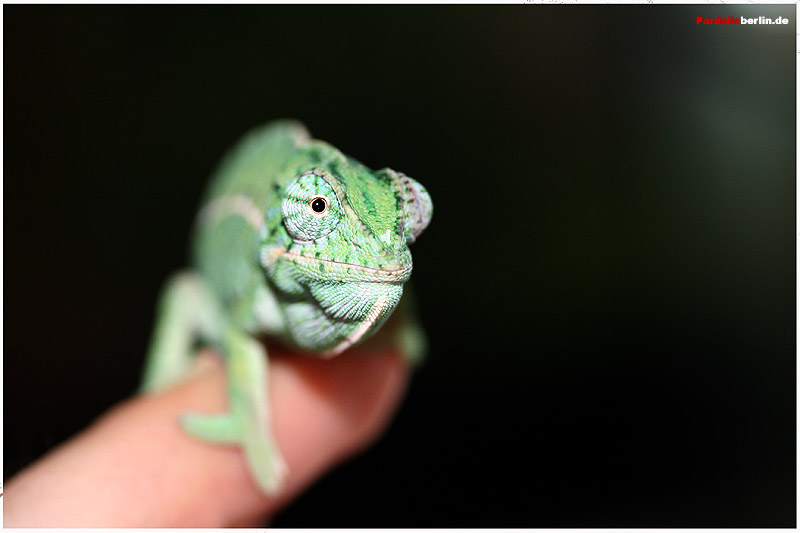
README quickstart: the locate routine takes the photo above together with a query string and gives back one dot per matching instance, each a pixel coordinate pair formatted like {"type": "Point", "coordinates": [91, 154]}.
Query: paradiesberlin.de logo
{"type": "Point", "coordinates": [742, 20]}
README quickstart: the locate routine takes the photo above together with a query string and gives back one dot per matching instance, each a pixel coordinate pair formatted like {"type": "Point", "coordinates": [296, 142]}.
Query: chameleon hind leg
{"type": "Point", "coordinates": [187, 311]}
{"type": "Point", "coordinates": [247, 424]}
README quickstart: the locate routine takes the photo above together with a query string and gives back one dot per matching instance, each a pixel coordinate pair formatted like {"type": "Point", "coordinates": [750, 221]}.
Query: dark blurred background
{"type": "Point", "coordinates": [608, 282]}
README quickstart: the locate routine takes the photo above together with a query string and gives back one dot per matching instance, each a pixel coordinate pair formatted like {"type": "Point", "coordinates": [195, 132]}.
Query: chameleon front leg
{"type": "Point", "coordinates": [247, 423]}
{"type": "Point", "coordinates": [186, 311]}
{"type": "Point", "coordinates": [410, 336]}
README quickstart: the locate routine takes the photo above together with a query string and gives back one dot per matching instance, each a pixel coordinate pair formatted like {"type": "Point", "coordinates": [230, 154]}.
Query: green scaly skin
{"type": "Point", "coordinates": [298, 241]}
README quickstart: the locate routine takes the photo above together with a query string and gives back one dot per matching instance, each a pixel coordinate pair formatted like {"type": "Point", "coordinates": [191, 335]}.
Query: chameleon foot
{"type": "Point", "coordinates": [266, 463]}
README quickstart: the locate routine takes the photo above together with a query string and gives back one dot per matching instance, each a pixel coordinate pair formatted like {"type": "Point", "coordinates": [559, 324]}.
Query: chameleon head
{"type": "Point", "coordinates": [342, 255]}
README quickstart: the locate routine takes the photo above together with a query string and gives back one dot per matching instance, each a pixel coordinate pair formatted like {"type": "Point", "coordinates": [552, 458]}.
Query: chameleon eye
{"type": "Point", "coordinates": [319, 205]}
{"type": "Point", "coordinates": [417, 208]}
{"type": "Point", "coordinates": [310, 207]}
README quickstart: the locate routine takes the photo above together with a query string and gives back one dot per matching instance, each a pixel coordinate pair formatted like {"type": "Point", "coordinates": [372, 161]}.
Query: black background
{"type": "Point", "coordinates": [608, 282]}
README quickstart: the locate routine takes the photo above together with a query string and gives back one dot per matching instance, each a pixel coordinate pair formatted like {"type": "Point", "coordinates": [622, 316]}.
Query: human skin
{"type": "Point", "coordinates": [134, 467]}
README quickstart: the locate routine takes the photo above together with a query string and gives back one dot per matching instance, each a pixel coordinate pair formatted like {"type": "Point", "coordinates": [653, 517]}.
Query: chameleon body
{"type": "Point", "coordinates": [294, 240]}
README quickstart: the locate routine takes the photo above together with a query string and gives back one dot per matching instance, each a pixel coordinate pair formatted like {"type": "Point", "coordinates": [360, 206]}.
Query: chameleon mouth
{"type": "Point", "coordinates": [350, 271]}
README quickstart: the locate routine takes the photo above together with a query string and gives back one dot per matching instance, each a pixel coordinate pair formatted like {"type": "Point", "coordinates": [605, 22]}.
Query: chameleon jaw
{"type": "Point", "coordinates": [346, 271]}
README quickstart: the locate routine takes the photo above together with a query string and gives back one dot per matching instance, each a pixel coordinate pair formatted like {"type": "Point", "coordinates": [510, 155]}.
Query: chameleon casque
{"type": "Point", "coordinates": [294, 240]}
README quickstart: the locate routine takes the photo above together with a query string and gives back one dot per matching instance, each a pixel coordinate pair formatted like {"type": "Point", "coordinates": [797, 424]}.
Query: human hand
{"type": "Point", "coordinates": [135, 467]}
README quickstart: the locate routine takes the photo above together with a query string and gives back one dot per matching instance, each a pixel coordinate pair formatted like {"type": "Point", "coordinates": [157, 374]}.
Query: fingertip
{"type": "Point", "coordinates": [327, 410]}
{"type": "Point", "coordinates": [362, 388]}
{"type": "Point", "coordinates": [323, 411]}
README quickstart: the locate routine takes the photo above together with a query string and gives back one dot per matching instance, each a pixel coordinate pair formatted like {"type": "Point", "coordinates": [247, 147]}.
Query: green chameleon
{"type": "Point", "coordinates": [297, 241]}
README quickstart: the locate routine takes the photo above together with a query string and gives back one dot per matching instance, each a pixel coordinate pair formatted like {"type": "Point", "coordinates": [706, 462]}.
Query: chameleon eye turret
{"type": "Point", "coordinates": [418, 208]}
{"type": "Point", "coordinates": [297, 241]}
{"type": "Point", "coordinates": [310, 207]}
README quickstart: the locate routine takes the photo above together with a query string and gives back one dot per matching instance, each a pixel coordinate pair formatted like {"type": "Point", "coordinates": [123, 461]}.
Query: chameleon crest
{"type": "Point", "coordinates": [295, 240]}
